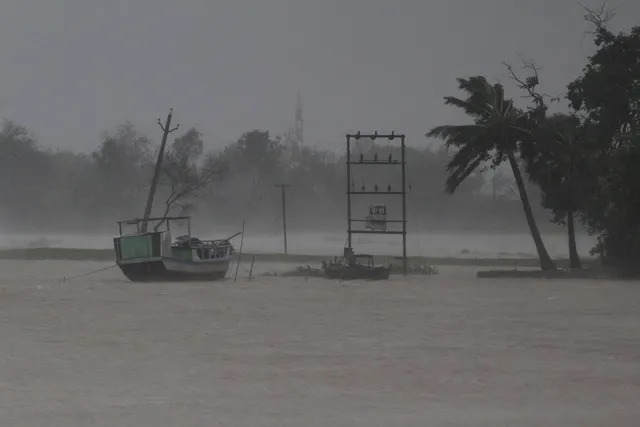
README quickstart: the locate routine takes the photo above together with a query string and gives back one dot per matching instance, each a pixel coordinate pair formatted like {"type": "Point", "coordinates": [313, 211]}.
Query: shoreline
{"type": "Point", "coordinates": [75, 254]}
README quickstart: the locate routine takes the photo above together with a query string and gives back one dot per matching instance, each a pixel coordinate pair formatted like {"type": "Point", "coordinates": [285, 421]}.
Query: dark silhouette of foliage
{"type": "Point", "coordinates": [562, 165]}
{"type": "Point", "coordinates": [185, 173]}
{"type": "Point", "coordinates": [498, 128]}
{"type": "Point", "coordinates": [607, 97]}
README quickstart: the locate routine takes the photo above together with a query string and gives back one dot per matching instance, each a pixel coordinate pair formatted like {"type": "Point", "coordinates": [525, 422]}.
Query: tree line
{"type": "Point", "coordinates": [585, 162]}
{"type": "Point", "coordinates": [44, 189]}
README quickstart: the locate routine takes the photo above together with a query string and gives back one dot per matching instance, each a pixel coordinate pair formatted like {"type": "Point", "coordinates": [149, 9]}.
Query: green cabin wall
{"type": "Point", "coordinates": [139, 246]}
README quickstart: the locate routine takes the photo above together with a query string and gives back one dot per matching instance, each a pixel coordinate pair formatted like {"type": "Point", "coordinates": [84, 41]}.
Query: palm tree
{"type": "Point", "coordinates": [493, 137]}
{"type": "Point", "coordinates": [559, 162]}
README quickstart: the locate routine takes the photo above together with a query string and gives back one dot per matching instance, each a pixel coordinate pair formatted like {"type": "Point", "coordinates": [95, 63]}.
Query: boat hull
{"type": "Point", "coordinates": [172, 270]}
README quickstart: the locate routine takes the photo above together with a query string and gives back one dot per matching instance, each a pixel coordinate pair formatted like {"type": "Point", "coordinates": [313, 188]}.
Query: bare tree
{"type": "Point", "coordinates": [599, 17]}
{"type": "Point", "coordinates": [185, 173]}
{"type": "Point", "coordinates": [530, 83]}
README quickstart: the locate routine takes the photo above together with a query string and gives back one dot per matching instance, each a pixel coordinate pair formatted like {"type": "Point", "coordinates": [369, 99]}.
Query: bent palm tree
{"type": "Point", "coordinates": [493, 137]}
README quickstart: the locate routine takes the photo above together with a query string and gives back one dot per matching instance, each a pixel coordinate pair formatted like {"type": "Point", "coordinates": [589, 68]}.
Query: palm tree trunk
{"type": "Point", "coordinates": [546, 263]}
{"type": "Point", "coordinates": [574, 258]}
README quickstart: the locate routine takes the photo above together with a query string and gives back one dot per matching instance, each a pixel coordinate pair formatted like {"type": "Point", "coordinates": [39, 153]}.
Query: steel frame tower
{"type": "Point", "coordinates": [403, 193]}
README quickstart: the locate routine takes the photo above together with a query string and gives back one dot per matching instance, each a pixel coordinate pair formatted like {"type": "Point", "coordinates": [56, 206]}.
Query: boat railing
{"type": "Point", "coordinates": [222, 242]}
{"type": "Point", "coordinates": [204, 244]}
{"type": "Point", "coordinates": [204, 253]}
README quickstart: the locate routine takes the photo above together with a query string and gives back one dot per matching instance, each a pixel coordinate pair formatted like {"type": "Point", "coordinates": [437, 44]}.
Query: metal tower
{"type": "Point", "coordinates": [351, 190]}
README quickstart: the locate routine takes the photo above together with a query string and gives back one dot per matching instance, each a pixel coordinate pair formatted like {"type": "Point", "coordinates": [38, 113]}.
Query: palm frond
{"type": "Point", "coordinates": [465, 161]}
{"type": "Point", "coordinates": [473, 109]}
{"type": "Point", "coordinates": [456, 135]}
{"type": "Point", "coordinates": [498, 127]}
{"type": "Point", "coordinates": [459, 173]}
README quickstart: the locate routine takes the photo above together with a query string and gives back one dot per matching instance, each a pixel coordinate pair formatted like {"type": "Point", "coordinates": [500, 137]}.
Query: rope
{"type": "Point", "coordinates": [66, 278]}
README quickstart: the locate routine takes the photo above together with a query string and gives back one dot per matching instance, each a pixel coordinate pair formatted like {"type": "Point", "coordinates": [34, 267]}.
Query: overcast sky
{"type": "Point", "coordinates": [72, 69]}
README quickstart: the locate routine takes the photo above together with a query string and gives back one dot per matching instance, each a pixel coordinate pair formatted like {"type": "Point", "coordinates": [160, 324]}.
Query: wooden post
{"type": "Point", "coordinates": [253, 260]}
{"type": "Point", "coordinates": [240, 253]}
{"type": "Point", "coordinates": [156, 172]}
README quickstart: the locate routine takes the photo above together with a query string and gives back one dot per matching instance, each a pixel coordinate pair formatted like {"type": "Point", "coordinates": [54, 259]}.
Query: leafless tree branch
{"type": "Point", "coordinates": [529, 84]}
{"type": "Point", "coordinates": [599, 18]}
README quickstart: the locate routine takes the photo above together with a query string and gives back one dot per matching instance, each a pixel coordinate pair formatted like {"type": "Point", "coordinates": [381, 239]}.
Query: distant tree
{"type": "Point", "coordinates": [123, 164]}
{"type": "Point", "coordinates": [493, 137]}
{"type": "Point", "coordinates": [93, 190]}
{"type": "Point", "coordinates": [607, 96]}
{"type": "Point", "coordinates": [255, 164]}
{"type": "Point", "coordinates": [71, 182]}
{"type": "Point", "coordinates": [311, 170]}
{"type": "Point", "coordinates": [25, 171]}
{"type": "Point", "coordinates": [256, 150]}
{"type": "Point", "coordinates": [185, 173]}
{"type": "Point", "coordinates": [124, 150]}
{"type": "Point", "coordinates": [562, 166]}
{"type": "Point", "coordinates": [608, 92]}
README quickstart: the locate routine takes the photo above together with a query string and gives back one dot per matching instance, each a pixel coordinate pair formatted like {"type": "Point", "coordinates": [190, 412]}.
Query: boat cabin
{"type": "Point", "coordinates": [157, 244]}
{"type": "Point", "coordinates": [201, 250]}
{"type": "Point", "coordinates": [363, 260]}
{"type": "Point", "coordinates": [351, 259]}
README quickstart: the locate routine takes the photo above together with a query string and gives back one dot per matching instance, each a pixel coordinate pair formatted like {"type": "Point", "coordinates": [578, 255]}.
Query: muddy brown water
{"type": "Point", "coordinates": [447, 350]}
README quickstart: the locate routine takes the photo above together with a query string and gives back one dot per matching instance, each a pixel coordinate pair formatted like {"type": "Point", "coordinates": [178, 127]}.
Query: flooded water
{"type": "Point", "coordinates": [487, 245]}
{"type": "Point", "coordinates": [446, 350]}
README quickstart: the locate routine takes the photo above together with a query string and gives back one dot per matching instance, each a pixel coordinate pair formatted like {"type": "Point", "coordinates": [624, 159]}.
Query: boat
{"type": "Point", "coordinates": [355, 267]}
{"type": "Point", "coordinates": [153, 256]}
{"type": "Point", "coordinates": [145, 255]}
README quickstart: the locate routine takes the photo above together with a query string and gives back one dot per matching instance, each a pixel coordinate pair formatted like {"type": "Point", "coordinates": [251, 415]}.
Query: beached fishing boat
{"type": "Point", "coordinates": [154, 256]}
{"type": "Point", "coordinates": [144, 255]}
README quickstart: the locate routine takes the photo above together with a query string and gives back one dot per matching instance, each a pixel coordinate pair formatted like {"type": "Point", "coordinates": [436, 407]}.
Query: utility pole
{"type": "Point", "coordinates": [156, 172]}
{"type": "Point", "coordinates": [283, 188]}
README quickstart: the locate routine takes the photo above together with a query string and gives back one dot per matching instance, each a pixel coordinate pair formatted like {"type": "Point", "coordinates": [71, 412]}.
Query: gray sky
{"type": "Point", "coordinates": [74, 68]}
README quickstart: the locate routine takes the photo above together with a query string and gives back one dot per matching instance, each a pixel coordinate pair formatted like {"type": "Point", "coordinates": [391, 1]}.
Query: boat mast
{"type": "Point", "coordinates": [156, 173]}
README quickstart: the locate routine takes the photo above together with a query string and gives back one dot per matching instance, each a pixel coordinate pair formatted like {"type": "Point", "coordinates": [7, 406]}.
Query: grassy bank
{"type": "Point", "coordinates": [108, 255]}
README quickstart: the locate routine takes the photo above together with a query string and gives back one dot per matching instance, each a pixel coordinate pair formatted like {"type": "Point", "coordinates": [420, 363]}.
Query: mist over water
{"type": "Point", "coordinates": [433, 244]}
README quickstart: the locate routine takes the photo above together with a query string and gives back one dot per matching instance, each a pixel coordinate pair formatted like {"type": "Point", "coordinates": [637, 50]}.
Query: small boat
{"type": "Point", "coordinates": [355, 267]}
{"type": "Point", "coordinates": [152, 256]}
